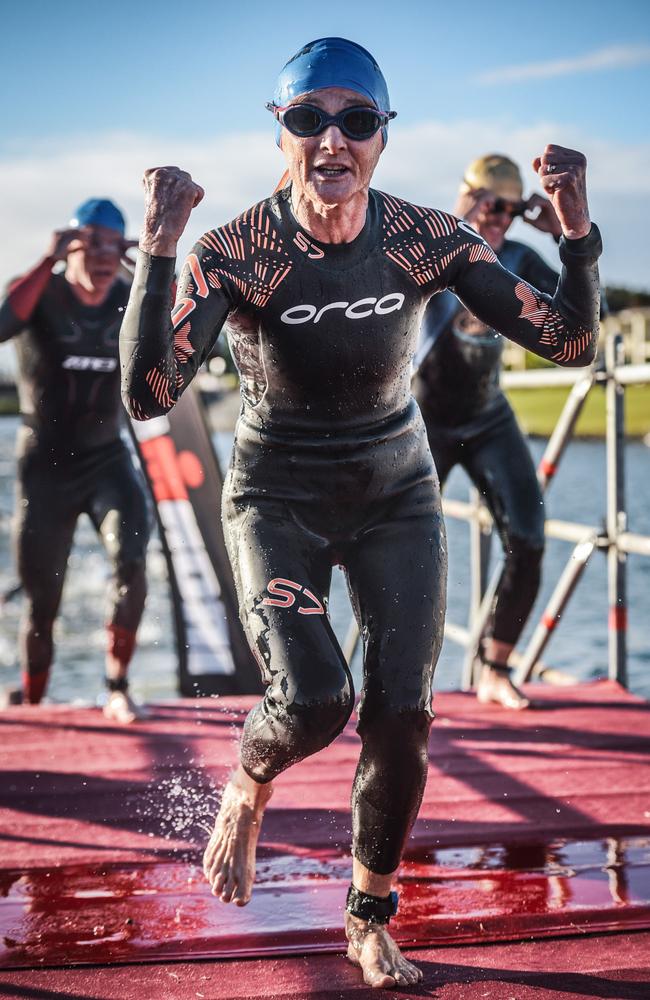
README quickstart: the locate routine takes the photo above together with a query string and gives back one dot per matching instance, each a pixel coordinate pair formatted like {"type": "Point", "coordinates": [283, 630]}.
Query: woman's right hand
{"type": "Point", "coordinates": [473, 204]}
{"type": "Point", "coordinates": [64, 242]}
{"type": "Point", "coordinates": [170, 196]}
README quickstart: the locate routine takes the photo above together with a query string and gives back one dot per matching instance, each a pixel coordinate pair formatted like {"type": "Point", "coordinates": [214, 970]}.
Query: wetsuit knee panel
{"type": "Point", "coordinates": [324, 710]}
{"type": "Point", "coordinates": [40, 608]}
{"type": "Point", "coordinates": [277, 735]}
{"type": "Point", "coordinates": [395, 709]}
{"type": "Point", "coordinates": [395, 723]}
{"type": "Point", "coordinates": [39, 617]}
{"type": "Point", "coordinates": [524, 554]}
{"type": "Point", "coordinates": [521, 521]}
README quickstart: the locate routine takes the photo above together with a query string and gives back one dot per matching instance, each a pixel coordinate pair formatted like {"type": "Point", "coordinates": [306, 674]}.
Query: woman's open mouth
{"type": "Point", "coordinates": [330, 173]}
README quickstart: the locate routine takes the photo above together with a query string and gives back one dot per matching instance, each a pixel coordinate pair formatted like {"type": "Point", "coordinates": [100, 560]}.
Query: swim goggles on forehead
{"type": "Point", "coordinates": [305, 120]}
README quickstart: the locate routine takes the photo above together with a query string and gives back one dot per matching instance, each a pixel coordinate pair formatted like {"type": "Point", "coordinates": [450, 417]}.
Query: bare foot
{"type": "Point", "coordinates": [229, 858]}
{"type": "Point", "coordinates": [372, 948]}
{"type": "Point", "coordinates": [495, 686]}
{"type": "Point", "coordinates": [121, 708]}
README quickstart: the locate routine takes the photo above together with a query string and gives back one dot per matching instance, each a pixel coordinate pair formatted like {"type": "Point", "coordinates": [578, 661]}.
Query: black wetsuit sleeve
{"type": "Point", "coordinates": [10, 324]}
{"type": "Point", "coordinates": [162, 348]}
{"type": "Point", "coordinates": [562, 328]}
{"type": "Point", "coordinates": [541, 275]}
{"type": "Point", "coordinates": [22, 298]}
{"type": "Point", "coordinates": [538, 273]}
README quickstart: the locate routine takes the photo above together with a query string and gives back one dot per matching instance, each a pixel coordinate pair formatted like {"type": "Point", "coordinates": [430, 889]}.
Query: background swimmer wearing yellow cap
{"type": "Point", "coordinates": [469, 420]}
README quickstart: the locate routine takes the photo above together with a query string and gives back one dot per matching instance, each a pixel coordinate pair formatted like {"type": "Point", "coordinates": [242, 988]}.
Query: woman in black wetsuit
{"type": "Point", "coordinates": [469, 420]}
{"type": "Point", "coordinates": [321, 289]}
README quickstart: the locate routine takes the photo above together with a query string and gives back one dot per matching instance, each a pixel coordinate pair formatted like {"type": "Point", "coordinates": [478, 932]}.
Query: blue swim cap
{"type": "Point", "coordinates": [99, 212]}
{"type": "Point", "coordinates": [332, 62]}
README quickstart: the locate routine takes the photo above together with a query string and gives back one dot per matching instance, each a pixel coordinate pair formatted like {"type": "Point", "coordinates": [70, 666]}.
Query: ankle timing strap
{"type": "Point", "coordinates": [117, 684]}
{"type": "Point", "coordinates": [499, 668]}
{"type": "Point", "coordinates": [374, 909]}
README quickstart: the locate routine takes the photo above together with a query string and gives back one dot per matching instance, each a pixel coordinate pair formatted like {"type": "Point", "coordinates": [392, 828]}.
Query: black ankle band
{"type": "Point", "coordinates": [374, 909]}
{"type": "Point", "coordinates": [117, 684]}
{"type": "Point", "coordinates": [499, 668]}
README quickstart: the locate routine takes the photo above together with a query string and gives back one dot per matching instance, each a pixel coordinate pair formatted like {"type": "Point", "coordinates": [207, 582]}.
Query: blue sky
{"type": "Point", "coordinates": [134, 81]}
{"type": "Point", "coordinates": [85, 66]}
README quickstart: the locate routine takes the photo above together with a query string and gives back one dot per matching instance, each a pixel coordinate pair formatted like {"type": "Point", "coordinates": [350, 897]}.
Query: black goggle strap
{"type": "Point", "coordinates": [374, 909]}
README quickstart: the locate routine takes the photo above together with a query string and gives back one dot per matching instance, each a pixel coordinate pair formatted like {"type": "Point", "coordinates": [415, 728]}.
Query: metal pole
{"type": "Point", "coordinates": [478, 625]}
{"type": "Point", "coordinates": [555, 607]}
{"type": "Point", "coordinates": [616, 515]}
{"type": "Point", "coordinates": [351, 641]}
{"type": "Point", "coordinates": [563, 429]}
{"type": "Point", "coordinates": [479, 541]}
{"type": "Point", "coordinates": [554, 451]}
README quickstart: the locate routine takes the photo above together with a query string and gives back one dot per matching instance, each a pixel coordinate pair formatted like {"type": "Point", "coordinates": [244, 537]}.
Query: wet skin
{"type": "Point", "coordinates": [330, 174]}
{"type": "Point", "coordinates": [229, 867]}
{"type": "Point", "coordinates": [93, 260]}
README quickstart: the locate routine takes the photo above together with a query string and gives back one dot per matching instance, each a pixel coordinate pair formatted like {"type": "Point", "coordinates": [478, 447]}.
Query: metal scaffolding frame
{"type": "Point", "coordinates": [614, 540]}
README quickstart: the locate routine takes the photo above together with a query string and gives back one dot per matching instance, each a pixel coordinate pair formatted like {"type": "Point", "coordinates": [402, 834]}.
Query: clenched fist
{"type": "Point", "coordinates": [170, 196]}
{"type": "Point", "coordinates": [563, 175]}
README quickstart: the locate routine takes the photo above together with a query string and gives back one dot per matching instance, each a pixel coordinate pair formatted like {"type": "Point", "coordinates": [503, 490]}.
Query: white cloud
{"type": "Point", "coordinates": [613, 57]}
{"type": "Point", "coordinates": [423, 163]}
{"type": "Point", "coordinates": [42, 189]}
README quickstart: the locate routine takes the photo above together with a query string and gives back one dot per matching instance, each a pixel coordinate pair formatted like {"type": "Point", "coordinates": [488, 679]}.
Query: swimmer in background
{"type": "Point", "coordinates": [469, 420]}
{"type": "Point", "coordinates": [71, 456]}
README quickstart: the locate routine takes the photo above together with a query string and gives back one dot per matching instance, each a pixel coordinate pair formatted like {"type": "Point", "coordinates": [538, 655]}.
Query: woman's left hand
{"type": "Point", "coordinates": [563, 175]}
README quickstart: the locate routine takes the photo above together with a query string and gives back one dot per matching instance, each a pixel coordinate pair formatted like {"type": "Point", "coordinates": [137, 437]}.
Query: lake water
{"type": "Point", "coordinates": [579, 646]}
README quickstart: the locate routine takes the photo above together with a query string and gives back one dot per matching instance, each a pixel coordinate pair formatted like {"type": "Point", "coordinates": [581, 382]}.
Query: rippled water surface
{"type": "Point", "coordinates": [579, 646]}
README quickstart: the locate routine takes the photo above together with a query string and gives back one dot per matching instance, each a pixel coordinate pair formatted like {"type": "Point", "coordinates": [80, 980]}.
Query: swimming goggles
{"type": "Point", "coordinates": [513, 209]}
{"type": "Point", "coordinates": [305, 120]}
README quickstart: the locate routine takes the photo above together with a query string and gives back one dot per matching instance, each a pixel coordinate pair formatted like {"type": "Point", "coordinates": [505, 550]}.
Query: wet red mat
{"type": "Point", "coordinates": [533, 824]}
{"type": "Point", "coordinates": [125, 913]}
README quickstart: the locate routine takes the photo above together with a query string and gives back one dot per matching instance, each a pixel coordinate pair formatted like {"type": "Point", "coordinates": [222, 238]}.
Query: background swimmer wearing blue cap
{"type": "Point", "coordinates": [71, 457]}
{"type": "Point", "coordinates": [323, 286]}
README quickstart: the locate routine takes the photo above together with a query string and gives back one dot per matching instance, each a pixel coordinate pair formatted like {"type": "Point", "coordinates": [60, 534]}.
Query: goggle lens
{"type": "Point", "coordinates": [362, 122]}
{"type": "Point", "coordinates": [512, 208]}
{"type": "Point", "coordinates": [302, 120]}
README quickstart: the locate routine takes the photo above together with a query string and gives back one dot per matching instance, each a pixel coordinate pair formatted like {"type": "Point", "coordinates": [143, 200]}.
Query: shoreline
{"type": "Point", "coordinates": [536, 414]}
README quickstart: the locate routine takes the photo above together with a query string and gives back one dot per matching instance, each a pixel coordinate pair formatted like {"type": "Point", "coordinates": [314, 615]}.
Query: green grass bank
{"type": "Point", "coordinates": [538, 409]}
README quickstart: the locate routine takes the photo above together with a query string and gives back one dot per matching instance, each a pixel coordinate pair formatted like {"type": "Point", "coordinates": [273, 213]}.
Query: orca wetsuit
{"type": "Point", "coordinates": [470, 422]}
{"type": "Point", "coordinates": [331, 462]}
{"type": "Point", "coordinates": [72, 460]}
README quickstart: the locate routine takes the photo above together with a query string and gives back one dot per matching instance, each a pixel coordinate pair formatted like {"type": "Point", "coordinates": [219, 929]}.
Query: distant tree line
{"type": "Point", "coordinates": [625, 298]}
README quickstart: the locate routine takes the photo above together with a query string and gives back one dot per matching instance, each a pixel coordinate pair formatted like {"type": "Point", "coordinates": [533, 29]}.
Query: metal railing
{"type": "Point", "coordinates": [614, 539]}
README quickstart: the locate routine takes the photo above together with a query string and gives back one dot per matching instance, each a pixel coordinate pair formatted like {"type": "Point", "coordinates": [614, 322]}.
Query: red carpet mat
{"type": "Point", "coordinates": [578, 968]}
{"type": "Point", "coordinates": [534, 824]}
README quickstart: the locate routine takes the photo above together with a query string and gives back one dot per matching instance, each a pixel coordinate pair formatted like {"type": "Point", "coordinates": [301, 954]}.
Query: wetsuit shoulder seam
{"type": "Point", "coordinates": [250, 253]}
{"type": "Point", "coordinates": [409, 234]}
